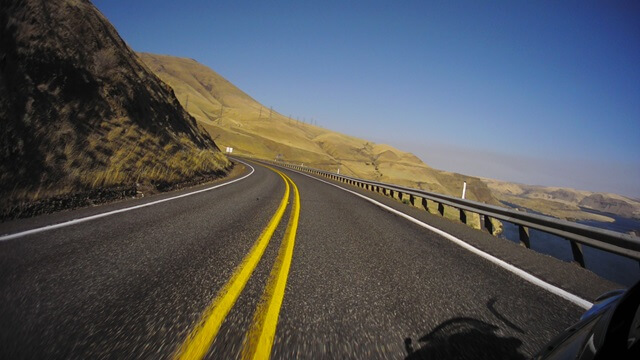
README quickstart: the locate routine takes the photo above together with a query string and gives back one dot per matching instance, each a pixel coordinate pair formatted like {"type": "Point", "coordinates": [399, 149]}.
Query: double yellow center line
{"type": "Point", "coordinates": [259, 337]}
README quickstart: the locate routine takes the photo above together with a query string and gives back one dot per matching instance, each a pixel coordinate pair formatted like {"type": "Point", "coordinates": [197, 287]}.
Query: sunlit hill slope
{"type": "Point", "coordinates": [234, 119]}
{"type": "Point", "coordinates": [565, 203]}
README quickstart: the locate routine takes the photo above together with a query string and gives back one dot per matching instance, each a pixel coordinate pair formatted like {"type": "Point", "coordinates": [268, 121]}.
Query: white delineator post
{"type": "Point", "coordinates": [464, 189]}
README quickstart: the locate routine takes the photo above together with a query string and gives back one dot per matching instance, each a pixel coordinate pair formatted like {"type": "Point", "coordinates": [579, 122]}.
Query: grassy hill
{"type": "Point", "coordinates": [235, 119]}
{"type": "Point", "coordinates": [79, 111]}
{"type": "Point", "coordinates": [565, 203]}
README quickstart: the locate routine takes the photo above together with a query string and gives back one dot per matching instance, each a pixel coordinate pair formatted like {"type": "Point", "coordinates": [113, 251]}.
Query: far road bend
{"type": "Point", "coordinates": [276, 263]}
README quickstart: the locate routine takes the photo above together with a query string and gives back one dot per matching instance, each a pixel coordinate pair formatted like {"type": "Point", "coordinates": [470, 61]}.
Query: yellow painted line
{"type": "Point", "coordinates": [200, 339]}
{"type": "Point", "coordinates": [259, 338]}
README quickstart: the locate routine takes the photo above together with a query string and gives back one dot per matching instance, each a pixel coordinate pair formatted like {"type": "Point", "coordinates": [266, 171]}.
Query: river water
{"type": "Point", "coordinates": [619, 269]}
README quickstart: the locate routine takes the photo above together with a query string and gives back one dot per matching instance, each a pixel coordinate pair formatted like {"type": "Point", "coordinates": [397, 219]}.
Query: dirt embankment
{"type": "Point", "coordinates": [82, 117]}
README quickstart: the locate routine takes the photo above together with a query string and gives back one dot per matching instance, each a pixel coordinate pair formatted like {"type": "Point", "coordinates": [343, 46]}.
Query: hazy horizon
{"type": "Point", "coordinates": [541, 93]}
{"type": "Point", "coordinates": [528, 170]}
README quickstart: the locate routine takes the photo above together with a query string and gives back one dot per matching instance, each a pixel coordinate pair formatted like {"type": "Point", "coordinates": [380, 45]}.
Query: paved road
{"type": "Point", "coordinates": [362, 282]}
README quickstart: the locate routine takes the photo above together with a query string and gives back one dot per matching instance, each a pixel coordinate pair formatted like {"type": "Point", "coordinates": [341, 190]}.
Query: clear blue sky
{"type": "Point", "coordinates": [530, 91]}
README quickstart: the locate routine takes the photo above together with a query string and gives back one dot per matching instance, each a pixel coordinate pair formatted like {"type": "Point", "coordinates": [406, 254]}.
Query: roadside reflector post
{"type": "Point", "coordinates": [524, 236]}
{"type": "Point", "coordinates": [578, 254]}
{"type": "Point", "coordinates": [464, 190]}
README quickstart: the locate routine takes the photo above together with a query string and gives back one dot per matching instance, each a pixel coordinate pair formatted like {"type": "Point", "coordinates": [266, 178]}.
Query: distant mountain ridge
{"type": "Point", "coordinates": [563, 202]}
{"type": "Point", "coordinates": [80, 111]}
{"type": "Point", "coordinates": [236, 119]}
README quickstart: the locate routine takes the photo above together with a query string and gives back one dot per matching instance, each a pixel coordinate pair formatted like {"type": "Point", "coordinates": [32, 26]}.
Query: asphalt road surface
{"type": "Point", "coordinates": [276, 264]}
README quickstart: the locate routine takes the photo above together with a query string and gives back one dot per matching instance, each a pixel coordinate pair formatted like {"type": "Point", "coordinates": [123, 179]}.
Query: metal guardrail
{"type": "Point", "coordinates": [577, 234]}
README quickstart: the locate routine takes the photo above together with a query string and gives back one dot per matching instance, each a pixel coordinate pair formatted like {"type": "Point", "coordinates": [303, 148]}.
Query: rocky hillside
{"type": "Point", "coordinates": [237, 120]}
{"type": "Point", "coordinates": [79, 111]}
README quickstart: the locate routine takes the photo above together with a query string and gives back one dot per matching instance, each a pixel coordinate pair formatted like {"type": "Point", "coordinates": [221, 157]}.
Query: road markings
{"type": "Point", "coordinates": [259, 338]}
{"type": "Point", "coordinates": [200, 339]}
{"type": "Point", "coordinates": [198, 342]}
{"type": "Point", "coordinates": [98, 216]}
{"type": "Point", "coordinates": [501, 263]}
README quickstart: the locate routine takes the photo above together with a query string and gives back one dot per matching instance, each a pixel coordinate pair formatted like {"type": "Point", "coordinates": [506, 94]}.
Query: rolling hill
{"type": "Point", "coordinates": [80, 113]}
{"type": "Point", "coordinates": [565, 203]}
{"type": "Point", "coordinates": [235, 119]}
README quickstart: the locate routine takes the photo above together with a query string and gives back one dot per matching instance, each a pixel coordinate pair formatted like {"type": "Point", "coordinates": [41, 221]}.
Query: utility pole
{"type": "Point", "coordinates": [260, 115]}
{"type": "Point", "coordinates": [186, 106]}
{"type": "Point", "coordinates": [221, 109]}
{"type": "Point", "coordinates": [270, 112]}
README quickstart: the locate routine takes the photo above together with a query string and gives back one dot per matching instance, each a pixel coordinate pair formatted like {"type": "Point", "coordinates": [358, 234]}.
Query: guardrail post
{"type": "Point", "coordinates": [425, 205]}
{"type": "Point", "coordinates": [463, 216]}
{"type": "Point", "coordinates": [412, 200]}
{"type": "Point", "coordinates": [441, 209]}
{"type": "Point", "coordinates": [488, 224]}
{"type": "Point", "coordinates": [524, 236]}
{"type": "Point", "coordinates": [578, 254]}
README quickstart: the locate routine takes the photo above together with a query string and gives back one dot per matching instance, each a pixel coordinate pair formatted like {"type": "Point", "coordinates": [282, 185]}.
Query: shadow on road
{"type": "Point", "coordinates": [464, 338]}
{"type": "Point", "coordinates": [491, 306]}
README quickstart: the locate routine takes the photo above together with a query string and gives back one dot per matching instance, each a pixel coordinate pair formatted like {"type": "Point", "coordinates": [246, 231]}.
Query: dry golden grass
{"type": "Point", "coordinates": [251, 130]}
{"type": "Point", "coordinates": [80, 112]}
{"type": "Point", "coordinates": [123, 155]}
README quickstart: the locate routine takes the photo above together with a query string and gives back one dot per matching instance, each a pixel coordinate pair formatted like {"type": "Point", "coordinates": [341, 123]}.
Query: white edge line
{"type": "Point", "coordinates": [97, 216]}
{"type": "Point", "coordinates": [503, 264]}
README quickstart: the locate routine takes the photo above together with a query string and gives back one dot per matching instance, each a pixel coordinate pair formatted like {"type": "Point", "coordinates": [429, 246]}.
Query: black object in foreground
{"type": "Point", "coordinates": [609, 330]}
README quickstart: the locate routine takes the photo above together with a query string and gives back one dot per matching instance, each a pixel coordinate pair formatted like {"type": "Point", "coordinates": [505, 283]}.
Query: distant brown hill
{"type": "Point", "coordinates": [565, 203]}
{"type": "Point", "coordinates": [239, 121]}
{"type": "Point", "coordinates": [80, 111]}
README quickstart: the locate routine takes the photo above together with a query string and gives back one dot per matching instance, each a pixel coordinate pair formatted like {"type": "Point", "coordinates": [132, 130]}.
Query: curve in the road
{"type": "Point", "coordinates": [503, 264]}
{"type": "Point", "coordinates": [259, 338]}
{"type": "Point", "coordinates": [118, 211]}
{"type": "Point", "coordinates": [263, 329]}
